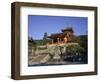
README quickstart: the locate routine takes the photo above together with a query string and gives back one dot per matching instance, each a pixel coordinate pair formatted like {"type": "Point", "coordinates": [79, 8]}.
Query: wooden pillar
{"type": "Point", "coordinates": [60, 40]}
{"type": "Point", "coordinates": [65, 40]}
{"type": "Point", "coordinates": [57, 40]}
{"type": "Point", "coordinates": [52, 41]}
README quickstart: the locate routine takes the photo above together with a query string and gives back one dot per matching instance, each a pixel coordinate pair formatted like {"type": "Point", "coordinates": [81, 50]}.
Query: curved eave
{"type": "Point", "coordinates": [62, 35]}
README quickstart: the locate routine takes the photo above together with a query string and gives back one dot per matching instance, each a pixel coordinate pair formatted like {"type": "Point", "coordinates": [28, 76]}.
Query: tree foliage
{"type": "Point", "coordinates": [45, 36]}
{"type": "Point", "coordinates": [73, 49]}
{"type": "Point", "coordinates": [45, 39]}
{"type": "Point", "coordinates": [81, 40]}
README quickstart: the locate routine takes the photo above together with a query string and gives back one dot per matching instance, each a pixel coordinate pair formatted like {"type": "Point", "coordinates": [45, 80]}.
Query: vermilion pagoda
{"type": "Point", "coordinates": [63, 37]}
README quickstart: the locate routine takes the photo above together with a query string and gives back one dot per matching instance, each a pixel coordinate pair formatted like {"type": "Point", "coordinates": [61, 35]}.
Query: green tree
{"type": "Point", "coordinates": [45, 38]}
{"type": "Point", "coordinates": [73, 49]}
{"type": "Point", "coordinates": [45, 35]}
{"type": "Point", "coordinates": [83, 41]}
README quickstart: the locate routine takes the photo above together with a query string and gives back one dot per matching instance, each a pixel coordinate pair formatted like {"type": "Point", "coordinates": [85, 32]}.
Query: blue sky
{"type": "Point", "coordinates": [38, 25]}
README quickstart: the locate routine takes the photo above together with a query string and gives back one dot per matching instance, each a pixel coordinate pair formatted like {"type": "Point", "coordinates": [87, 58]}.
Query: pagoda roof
{"type": "Point", "coordinates": [62, 34]}
{"type": "Point", "coordinates": [67, 29]}
{"type": "Point", "coordinates": [57, 35]}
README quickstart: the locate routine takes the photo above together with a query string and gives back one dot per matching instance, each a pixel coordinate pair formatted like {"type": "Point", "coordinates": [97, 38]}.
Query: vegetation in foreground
{"type": "Point", "coordinates": [67, 53]}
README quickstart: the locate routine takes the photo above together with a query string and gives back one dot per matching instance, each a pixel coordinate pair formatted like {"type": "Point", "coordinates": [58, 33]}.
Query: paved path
{"type": "Point", "coordinates": [38, 59]}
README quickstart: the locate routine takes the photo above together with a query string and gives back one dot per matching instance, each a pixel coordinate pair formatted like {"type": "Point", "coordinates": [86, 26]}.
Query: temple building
{"type": "Point", "coordinates": [63, 37]}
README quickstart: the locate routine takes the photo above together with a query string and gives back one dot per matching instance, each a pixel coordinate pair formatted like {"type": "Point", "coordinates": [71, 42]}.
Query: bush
{"type": "Point", "coordinates": [73, 49]}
